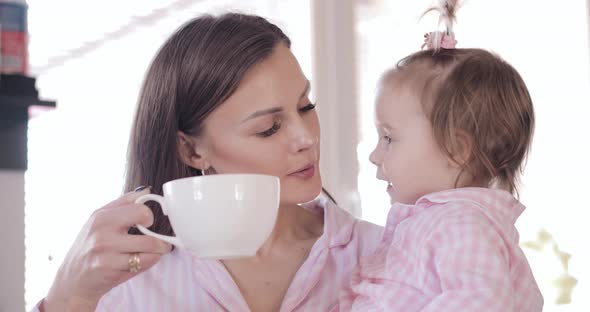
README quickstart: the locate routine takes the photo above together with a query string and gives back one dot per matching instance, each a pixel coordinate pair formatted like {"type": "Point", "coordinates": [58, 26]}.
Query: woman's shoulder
{"type": "Point", "coordinates": [342, 228]}
{"type": "Point", "coordinates": [366, 228]}
{"type": "Point", "coordinates": [367, 235]}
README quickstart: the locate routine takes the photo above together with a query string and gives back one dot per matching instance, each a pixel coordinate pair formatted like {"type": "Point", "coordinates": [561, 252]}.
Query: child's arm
{"type": "Point", "coordinates": [472, 262]}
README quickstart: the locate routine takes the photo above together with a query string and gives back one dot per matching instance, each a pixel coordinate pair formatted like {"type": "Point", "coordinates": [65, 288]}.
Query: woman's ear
{"type": "Point", "coordinates": [191, 151]}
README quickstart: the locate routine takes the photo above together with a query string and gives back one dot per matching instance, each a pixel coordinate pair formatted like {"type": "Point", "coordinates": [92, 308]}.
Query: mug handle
{"type": "Point", "coordinates": [160, 200]}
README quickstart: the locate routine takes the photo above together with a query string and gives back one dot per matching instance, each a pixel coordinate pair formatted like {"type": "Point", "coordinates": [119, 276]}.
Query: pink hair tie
{"type": "Point", "coordinates": [439, 39]}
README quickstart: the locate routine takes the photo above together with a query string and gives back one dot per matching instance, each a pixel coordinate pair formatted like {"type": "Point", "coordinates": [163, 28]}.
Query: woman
{"type": "Point", "coordinates": [223, 95]}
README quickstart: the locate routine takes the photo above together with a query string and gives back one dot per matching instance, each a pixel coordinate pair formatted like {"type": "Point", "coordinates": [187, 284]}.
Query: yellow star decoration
{"type": "Point", "coordinates": [565, 283]}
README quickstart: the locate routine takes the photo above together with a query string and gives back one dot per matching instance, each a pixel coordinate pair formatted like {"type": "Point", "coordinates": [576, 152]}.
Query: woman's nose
{"type": "Point", "coordinates": [303, 138]}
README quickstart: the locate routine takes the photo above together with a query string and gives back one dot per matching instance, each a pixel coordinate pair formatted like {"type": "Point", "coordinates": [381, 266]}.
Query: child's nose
{"type": "Point", "coordinates": [375, 157]}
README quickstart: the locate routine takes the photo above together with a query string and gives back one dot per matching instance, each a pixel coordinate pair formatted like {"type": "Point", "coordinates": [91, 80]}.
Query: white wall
{"type": "Point", "coordinates": [12, 240]}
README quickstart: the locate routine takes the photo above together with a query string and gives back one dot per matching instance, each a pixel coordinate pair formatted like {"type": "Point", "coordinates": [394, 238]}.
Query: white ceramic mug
{"type": "Point", "coordinates": [219, 216]}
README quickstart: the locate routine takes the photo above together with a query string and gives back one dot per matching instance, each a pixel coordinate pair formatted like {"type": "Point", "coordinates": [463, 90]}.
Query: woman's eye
{"type": "Point", "coordinates": [272, 130]}
{"type": "Point", "coordinates": [307, 107]}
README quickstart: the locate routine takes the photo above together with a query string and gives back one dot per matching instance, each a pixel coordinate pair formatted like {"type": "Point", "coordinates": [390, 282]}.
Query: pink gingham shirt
{"type": "Point", "coordinates": [455, 250]}
{"type": "Point", "coordinates": [181, 282]}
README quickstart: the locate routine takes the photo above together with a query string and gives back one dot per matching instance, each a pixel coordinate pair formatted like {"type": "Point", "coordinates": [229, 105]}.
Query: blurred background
{"type": "Point", "coordinates": [90, 57]}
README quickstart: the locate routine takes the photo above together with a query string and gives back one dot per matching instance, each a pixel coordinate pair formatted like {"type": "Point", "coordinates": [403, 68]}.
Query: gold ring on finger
{"type": "Point", "coordinates": [134, 263]}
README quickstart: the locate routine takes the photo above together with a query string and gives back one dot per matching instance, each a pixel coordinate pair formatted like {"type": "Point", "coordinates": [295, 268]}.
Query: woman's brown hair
{"type": "Point", "coordinates": [195, 71]}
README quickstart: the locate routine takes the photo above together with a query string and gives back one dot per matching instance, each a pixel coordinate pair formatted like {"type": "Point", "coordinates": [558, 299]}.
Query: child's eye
{"type": "Point", "coordinates": [307, 108]}
{"type": "Point", "coordinates": [272, 130]}
{"type": "Point", "coordinates": [387, 139]}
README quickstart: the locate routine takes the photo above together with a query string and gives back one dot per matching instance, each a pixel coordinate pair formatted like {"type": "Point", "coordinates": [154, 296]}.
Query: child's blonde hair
{"type": "Point", "coordinates": [479, 107]}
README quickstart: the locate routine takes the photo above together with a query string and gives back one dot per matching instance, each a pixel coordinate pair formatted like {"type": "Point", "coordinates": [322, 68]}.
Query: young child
{"type": "Point", "coordinates": [455, 127]}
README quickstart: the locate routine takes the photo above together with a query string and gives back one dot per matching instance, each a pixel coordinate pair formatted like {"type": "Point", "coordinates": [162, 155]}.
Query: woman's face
{"type": "Point", "coordinates": [267, 126]}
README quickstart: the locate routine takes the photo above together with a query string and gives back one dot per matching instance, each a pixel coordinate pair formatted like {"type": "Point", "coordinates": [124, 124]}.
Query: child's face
{"type": "Point", "coordinates": [407, 156]}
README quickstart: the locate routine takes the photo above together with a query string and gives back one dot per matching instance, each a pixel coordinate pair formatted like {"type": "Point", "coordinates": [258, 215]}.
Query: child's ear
{"type": "Point", "coordinates": [462, 149]}
{"type": "Point", "coordinates": [191, 151]}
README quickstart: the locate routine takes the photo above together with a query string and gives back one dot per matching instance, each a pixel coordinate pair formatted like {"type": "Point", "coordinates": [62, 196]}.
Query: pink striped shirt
{"type": "Point", "coordinates": [455, 250]}
{"type": "Point", "coordinates": [181, 282]}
